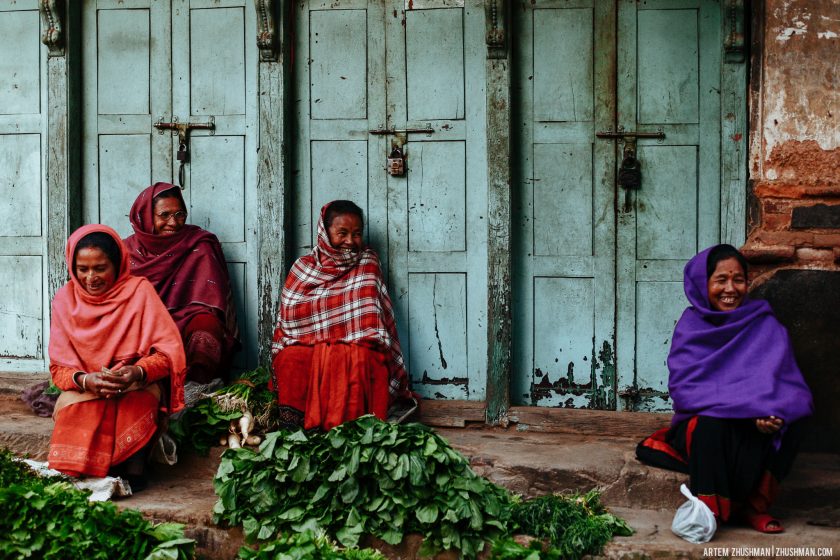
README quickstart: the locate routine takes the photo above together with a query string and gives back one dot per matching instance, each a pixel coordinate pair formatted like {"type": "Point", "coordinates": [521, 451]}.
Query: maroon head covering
{"type": "Point", "coordinates": [186, 268]}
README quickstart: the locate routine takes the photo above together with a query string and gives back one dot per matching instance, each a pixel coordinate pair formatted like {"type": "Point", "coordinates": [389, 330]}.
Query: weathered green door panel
{"type": "Point", "coordinates": [427, 226]}
{"type": "Point", "coordinates": [564, 245]}
{"type": "Point", "coordinates": [667, 66]}
{"type": "Point", "coordinates": [437, 192]}
{"type": "Point", "coordinates": [338, 43]}
{"type": "Point", "coordinates": [569, 194]}
{"type": "Point", "coordinates": [21, 331]}
{"type": "Point", "coordinates": [664, 205]}
{"type": "Point", "coordinates": [563, 64]}
{"type": "Point", "coordinates": [669, 79]}
{"type": "Point", "coordinates": [20, 88]}
{"type": "Point", "coordinates": [24, 307]}
{"type": "Point", "coordinates": [598, 272]}
{"type": "Point", "coordinates": [186, 59]}
{"type": "Point", "coordinates": [218, 61]}
{"type": "Point", "coordinates": [435, 64]}
{"type": "Point", "coordinates": [438, 346]}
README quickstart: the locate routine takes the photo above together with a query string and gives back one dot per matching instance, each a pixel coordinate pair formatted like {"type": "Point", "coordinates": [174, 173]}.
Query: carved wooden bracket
{"type": "Point", "coordinates": [734, 43]}
{"type": "Point", "coordinates": [266, 30]}
{"type": "Point", "coordinates": [51, 20]}
{"type": "Point", "coordinates": [495, 18]}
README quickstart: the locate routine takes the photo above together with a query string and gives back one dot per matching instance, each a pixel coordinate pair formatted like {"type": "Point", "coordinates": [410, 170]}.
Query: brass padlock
{"type": "Point", "coordinates": [396, 163]}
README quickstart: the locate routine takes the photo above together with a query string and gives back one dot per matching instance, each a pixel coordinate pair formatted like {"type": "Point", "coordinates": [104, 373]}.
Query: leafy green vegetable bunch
{"type": "Point", "coordinates": [574, 524]}
{"type": "Point", "coordinates": [509, 549]}
{"type": "Point", "coordinates": [363, 477]}
{"type": "Point", "coordinates": [47, 519]}
{"type": "Point", "coordinates": [12, 471]}
{"type": "Point", "coordinates": [200, 426]}
{"type": "Point", "coordinates": [307, 546]}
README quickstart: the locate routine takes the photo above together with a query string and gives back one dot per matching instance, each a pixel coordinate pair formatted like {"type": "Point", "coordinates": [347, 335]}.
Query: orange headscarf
{"type": "Point", "coordinates": [116, 328]}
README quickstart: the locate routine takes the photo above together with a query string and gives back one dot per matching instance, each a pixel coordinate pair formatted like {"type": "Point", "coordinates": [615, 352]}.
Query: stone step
{"type": "Point", "coordinates": [526, 463]}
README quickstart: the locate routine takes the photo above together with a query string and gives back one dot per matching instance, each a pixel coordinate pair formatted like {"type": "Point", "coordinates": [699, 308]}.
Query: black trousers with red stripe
{"type": "Point", "coordinates": [730, 463]}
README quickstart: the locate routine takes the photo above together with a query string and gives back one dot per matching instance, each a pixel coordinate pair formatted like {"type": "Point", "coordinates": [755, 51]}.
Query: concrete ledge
{"type": "Point", "coordinates": [524, 462]}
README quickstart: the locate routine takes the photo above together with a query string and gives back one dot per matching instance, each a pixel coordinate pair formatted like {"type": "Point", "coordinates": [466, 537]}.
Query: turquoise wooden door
{"type": "Point", "coordinates": [190, 60]}
{"type": "Point", "coordinates": [597, 269]}
{"type": "Point", "coordinates": [23, 212]}
{"type": "Point", "coordinates": [375, 65]}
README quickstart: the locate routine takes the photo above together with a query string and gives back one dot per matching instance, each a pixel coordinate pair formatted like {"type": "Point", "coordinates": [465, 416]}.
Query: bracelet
{"type": "Point", "coordinates": [76, 380]}
{"type": "Point", "coordinates": [142, 374]}
{"type": "Point", "coordinates": [84, 383]}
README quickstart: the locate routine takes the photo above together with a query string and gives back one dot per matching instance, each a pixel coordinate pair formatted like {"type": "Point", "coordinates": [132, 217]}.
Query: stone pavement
{"type": "Point", "coordinates": [524, 462]}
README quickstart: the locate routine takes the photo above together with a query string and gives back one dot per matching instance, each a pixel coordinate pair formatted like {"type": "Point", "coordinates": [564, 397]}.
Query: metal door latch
{"type": "Point", "coordinates": [183, 130]}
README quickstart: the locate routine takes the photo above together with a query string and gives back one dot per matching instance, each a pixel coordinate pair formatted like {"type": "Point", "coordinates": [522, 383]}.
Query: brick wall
{"type": "Point", "coordinates": [795, 136]}
{"type": "Point", "coordinates": [793, 237]}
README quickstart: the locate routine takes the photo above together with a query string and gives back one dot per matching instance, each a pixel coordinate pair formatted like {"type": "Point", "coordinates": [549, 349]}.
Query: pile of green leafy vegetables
{"type": "Point", "coordinates": [50, 518]}
{"type": "Point", "coordinates": [363, 477]}
{"type": "Point", "coordinates": [199, 427]}
{"type": "Point", "coordinates": [307, 546]}
{"type": "Point", "coordinates": [368, 477]}
{"type": "Point", "coordinates": [572, 525]}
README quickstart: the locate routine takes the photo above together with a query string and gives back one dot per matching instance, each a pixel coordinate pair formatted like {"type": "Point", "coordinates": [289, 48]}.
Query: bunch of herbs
{"type": "Point", "coordinates": [363, 477]}
{"type": "Point", "coordinates": [573, 524]}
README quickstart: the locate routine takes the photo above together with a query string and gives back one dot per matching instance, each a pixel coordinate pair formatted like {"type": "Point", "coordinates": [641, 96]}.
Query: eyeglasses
{"type": "Point", "coordinates": [179, 216]}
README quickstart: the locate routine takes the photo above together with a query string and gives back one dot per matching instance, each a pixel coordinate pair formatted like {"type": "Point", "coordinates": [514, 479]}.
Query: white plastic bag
{"type": "Point", "coordinates": [694, 521]}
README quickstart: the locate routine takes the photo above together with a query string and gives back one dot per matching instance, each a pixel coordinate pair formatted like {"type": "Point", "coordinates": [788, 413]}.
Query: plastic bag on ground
{"type": "Point", "coordinates": [694, 521]}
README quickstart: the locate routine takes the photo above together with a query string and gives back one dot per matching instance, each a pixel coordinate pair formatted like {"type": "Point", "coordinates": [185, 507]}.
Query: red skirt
{"type": "Point", "coordinates": [92, 436]}
{"type": "Point", "coordinates": [325, 385]}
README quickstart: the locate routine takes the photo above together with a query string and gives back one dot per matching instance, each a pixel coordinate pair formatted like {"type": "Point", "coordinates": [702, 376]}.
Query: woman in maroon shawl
{"type": "Point", "coordinates": [737, 391]}
{"type": "Point", "coordinates": [186, 266]}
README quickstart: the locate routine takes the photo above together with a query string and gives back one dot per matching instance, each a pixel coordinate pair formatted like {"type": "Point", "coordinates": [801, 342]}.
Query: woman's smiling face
{"type": "Point", "coordinates": [345, 232]}
{"type": "Point", "coordinates": [169, 216]}
{"type": "Point", "coordinates": [727, 285]}
{"type": "Point", "coordinates": [95, 271]}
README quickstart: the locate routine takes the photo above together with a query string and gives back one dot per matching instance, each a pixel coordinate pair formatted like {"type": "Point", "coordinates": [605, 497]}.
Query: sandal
{"type": "Point", "coordinates": [763, 522]}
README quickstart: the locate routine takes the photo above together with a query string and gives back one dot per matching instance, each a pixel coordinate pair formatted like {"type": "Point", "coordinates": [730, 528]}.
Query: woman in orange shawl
{"type": "Point", "coordinates": [116, 354]}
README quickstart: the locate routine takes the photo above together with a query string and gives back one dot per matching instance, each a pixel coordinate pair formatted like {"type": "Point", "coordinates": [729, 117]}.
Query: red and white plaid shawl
{"type": "Point", "coordinates": [332, 295]}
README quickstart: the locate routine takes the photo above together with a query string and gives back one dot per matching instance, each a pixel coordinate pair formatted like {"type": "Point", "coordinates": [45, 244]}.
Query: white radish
{"type": "Point", "coordinates": [233, 441]}
{"type": "Point", "coordinates": [245, 424]}
{"type": "Point", "coordinates": [253, 440]}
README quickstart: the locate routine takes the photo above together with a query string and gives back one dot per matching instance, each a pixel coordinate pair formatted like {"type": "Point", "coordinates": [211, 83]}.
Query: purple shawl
{"type": "Point", "coordinates": [732, 364]}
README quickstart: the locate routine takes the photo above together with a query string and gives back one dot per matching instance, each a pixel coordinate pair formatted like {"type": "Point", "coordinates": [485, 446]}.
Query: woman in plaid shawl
{"type": "Point", "coordinates": [335, 352]}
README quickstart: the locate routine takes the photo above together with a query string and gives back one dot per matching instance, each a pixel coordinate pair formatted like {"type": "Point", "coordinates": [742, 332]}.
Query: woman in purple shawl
{"type": "Point", "coordinates": [186, 266]}
{"type": "Point", "coordinates": [737, 391]}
